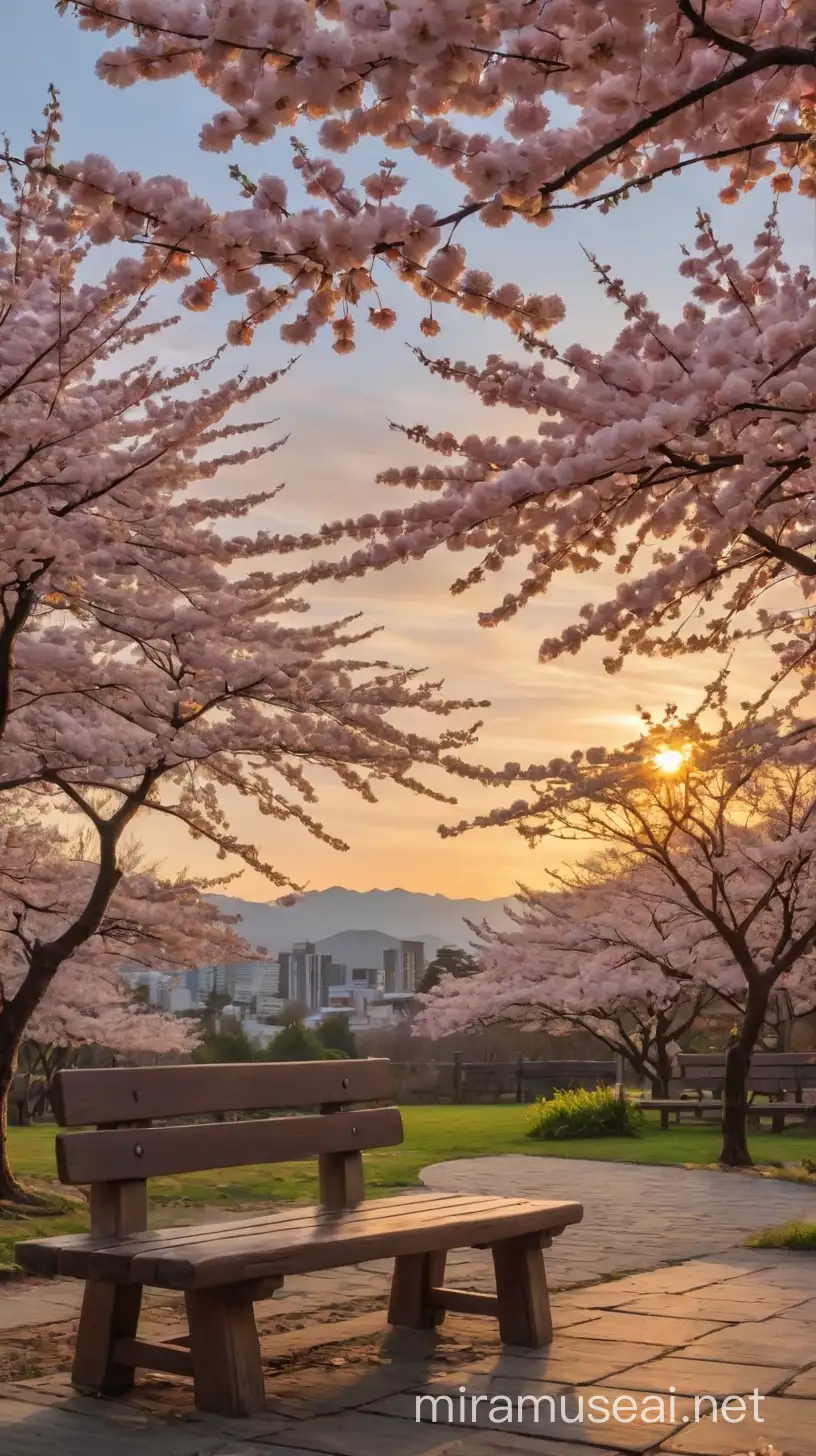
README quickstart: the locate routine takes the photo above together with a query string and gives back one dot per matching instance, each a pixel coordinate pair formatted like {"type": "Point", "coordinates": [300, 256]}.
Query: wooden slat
{"type": "Point", "coordinates": [68, 1254]}
{"type": "Point", "coordinates": [295, 1241]}
{"type": "Point", "coordinates": [463, 1301]}
{"type": "Point", "coordinates": [143, 1355]}
{"type": "Point", "coordinates": [136, 1094]}
{"type": "Point", "coordinates": [258, 1257]}
{"type": "Point", "coordinates": [112, 1260]}
{"type": "Point", "coordinates": [93, 1157]}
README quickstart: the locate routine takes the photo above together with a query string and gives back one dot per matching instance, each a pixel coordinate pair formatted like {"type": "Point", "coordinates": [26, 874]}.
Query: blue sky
{"type": "Point", "coordinates": [336, 411]}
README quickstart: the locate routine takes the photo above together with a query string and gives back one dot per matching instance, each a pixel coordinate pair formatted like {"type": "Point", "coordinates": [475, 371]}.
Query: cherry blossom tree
{"type": "Point", "coordinates": [45, 884]}
{"type": "Point", "coordinates": [683, 455]}
{"type": "Point", "coordinates": [724, 819]}
{"type": "Point", "coordinates": [149, 659]}
{"type": "Point", "coordinates": [583, 103]}
{"type": "Point", "coordinates": [594, 953]}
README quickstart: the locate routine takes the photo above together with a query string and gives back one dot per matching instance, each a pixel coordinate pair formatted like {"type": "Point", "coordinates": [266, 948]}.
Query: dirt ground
{"type": "Point", "coordinates": [297, 1350]}
{"type": "Point", "coordinates": [27, 1353]}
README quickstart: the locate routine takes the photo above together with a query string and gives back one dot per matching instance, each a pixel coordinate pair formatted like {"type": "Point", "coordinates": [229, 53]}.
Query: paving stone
{"type": "Point", "coordinates": [599, 1296]}
{"type": "Point", "coordinates": [697, 1276]}
{"type": "Point", "coordinates": [763, 1342]}
{"type": "Point", "coordinates": [798, 1275]}
{"type": "Point", "coordinates": [565, 1316]}
{"type": "Point", "coordinates": [718, 1304]}
{"type": "Point", "coordinates": [35, 1308]}
{"type": "Point", "coordinates": [563, 1414]}
{"type": "Point", "coordinates": [804, 1313]}
{"type": "Point", "coordinates": [32, 1430]}
{"type": "Point", "coordinates": [644, 1329]}
{"type": "Point", "coordinates": [804, 1384]}
{"type": "Point", "coordinates": [364, 1434]}
{"type": "Point", "coordinates": [316, 1392]}
{"type": "Point", "coordinates": [698, 1377]}
{"type": "Point", "coordinates": [787, 1425]}
{"type": "Point", "coordinates": [578, 1362]}
{"type": "Point", "coordinates": [145, 1407]}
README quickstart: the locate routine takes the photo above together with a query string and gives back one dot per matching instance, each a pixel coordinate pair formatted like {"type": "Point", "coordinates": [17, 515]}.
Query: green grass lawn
{"type": "Point", "coordinates": [432, 1135]}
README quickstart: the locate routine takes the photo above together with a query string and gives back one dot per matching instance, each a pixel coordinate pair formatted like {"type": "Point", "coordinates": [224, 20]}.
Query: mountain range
{"type": "Point", "coordinates": [398, 914]}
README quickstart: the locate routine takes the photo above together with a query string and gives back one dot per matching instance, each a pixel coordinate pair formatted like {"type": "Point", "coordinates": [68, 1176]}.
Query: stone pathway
{"type": "Point", "coordinates": [727, 1322]}
{"type": "Point", "coordinates": [706, 1358]}
{"type": "Point", "coordinates": [635, 1217]}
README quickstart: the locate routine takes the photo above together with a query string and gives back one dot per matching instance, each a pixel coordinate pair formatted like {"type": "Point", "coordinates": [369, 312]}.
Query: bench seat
{"type": "Point", "coordinates": [776, 1111]}
{"type": "Point", "coordinates": [295, 1240]}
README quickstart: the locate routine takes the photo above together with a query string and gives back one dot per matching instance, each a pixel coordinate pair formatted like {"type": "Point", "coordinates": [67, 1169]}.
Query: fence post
{"type": "Point", "coordinates": [457, 1077]}
{"type": "Point", "coordinates": [619, 1073]}
{"type": "Point", "coordinates": [519, 1077]}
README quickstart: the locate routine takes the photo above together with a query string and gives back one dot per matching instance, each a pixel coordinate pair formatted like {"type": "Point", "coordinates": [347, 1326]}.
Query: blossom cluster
{"type": "Point", "coordinates": [45, 880]}
{"type": "Point", "coordinates": [684, 454]}
{"type": "Point", "coordinates": [576, 94]}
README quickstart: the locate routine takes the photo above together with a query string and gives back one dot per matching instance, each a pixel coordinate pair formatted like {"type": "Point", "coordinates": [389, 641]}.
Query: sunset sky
{"type": "Point", "coordinates": [336, 412]}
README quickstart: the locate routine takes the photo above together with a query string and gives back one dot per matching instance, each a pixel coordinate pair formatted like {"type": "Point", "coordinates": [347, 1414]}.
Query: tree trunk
{"type": "Point", "coordinates": [45, 959]}
{"type": "Point", "coordinates": [11, 1192]}
{"type": "Point", "coordinates": [734, 1153]}
{"type": "Point", "coordinates": [15, 1016]}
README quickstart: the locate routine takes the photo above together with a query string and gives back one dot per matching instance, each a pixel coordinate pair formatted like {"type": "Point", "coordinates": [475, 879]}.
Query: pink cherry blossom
{"type": "Point", "coordinates": [684, 453]}
{"type": "Point", "coordinates": [588, 100]}
{"type": "Point", "coordinates": [150, 659]}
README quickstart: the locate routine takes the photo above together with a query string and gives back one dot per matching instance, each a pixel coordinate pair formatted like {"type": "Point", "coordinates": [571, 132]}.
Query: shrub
{"type": "Point", "coordinates": [295, 1043]}
{"type": "Point", "coordinates": [789, 1236]}
{"type": "Point", "coordinates": [337, 1036]}
{"type": "Point", "coordinates": [229, 1045]}
{"type": "Point", "coordinates": [583, 1114]}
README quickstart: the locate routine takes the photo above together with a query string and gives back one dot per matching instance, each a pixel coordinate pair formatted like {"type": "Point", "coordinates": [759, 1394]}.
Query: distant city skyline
{"type": "Point", "coordinates": [337, 413]}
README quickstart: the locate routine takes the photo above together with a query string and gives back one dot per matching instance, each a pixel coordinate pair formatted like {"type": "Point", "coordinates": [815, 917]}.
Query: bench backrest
{"type": "Point", "coordinates": [126, 1150]}
{"type": "Point", "coordinates": [769, 1071]}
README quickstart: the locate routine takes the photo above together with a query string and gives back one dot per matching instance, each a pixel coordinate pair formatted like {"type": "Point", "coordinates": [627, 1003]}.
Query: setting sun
{"type": "Point", "coordinates": [671, 760]}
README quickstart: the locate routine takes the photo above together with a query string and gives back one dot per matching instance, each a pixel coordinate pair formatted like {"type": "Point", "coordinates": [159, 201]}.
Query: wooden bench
{"type": "Point", "coordinates": [774, 1074]}
{"type": "Point", "coordinates": [777, 1075]}
{"type": "Point", "coordinates": [707, 1108]}
{"type": "Point", "coordinates": [224, 1268]}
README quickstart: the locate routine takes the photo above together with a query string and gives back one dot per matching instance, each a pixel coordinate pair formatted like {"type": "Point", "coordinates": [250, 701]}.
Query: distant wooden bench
{"type": "Point", "coordinates": [778, 1074]}
{"type": "Point", "coordinates": [707, 1108]}
{"type": "Point", "coordinates": [774, 1074]}
{"type": "Point", "coordinates": [224, 1268]}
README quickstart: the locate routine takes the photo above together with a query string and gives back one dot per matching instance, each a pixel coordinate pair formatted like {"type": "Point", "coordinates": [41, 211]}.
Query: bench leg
{"type": "Point", "coordinates": [414, 1277]}
{"type": "Point", "coordinates": [227, 1369]}
{"type": "Point", "coordinates": [110, 1312]}
{"type": "Point", "coordinates": [521, 1289]}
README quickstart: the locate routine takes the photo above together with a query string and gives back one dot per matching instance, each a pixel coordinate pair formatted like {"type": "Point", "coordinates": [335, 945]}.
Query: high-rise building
{"type": "Point", "coordinates": [303, 974]}
{"type": "Point", "coordinates": [404, 967]}
{"type": "Point", "coordinates": [174, 996]}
